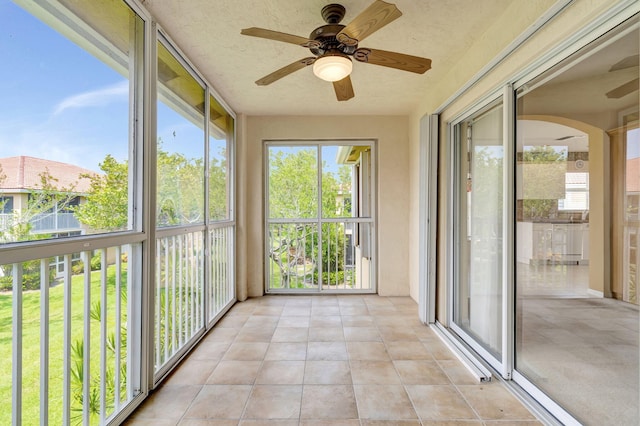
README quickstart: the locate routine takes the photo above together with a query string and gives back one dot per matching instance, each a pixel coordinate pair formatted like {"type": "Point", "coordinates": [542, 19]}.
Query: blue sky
{"type": "Point", "coordinates": [61, 103]}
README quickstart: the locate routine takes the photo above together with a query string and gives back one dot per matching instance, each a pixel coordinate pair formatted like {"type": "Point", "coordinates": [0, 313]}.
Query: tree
{"type": "Point", "coordinates": [293, 194]}
{"type": "Point", "coordinates": [106, 207]}
{"type": "Point", "coordinates": [180, 188]}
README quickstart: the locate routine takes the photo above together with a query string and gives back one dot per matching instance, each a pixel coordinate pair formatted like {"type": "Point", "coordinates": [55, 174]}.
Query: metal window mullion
{"type": "Point", "coordinates": [16, 400]}
{"type": "Point", "coordinates": [166, 302]}
{"type": "Point", "coordinates": [86, 356]}
{"type": "Point", "coordinates": [66, 351]}
{"type": "Point", "coordinates": [118, 329]}
{"type": "Point", "coordinates": [177, 253]}
{"type": "Point", "coordinates": [103, 335]}
{"type": "Point", "coordinates": [173, 301]}
{"type": "Point", "coordinates": [319, 212]}
{"type": "Point", "coordinates": [44, 342]}
{"type": "Point", "coordinates": [508, 245]}
{"type": "Point", "coordinates": [219, 277]}
{"type": "Point", "coordinates": [197, 272]}
{"type": "Point", "coordinates": [157, 304]}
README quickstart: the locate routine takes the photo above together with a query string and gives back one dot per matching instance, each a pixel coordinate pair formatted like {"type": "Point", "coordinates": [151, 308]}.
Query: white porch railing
{"type": "Point", "coordinates": [70, 344]}
{"type": "Point", "coordinates": [181, 299]}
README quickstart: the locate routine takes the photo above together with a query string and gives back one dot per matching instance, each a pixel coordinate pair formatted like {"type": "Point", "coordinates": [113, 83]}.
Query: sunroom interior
{"type": "Point", "coordinates": [491, 201]}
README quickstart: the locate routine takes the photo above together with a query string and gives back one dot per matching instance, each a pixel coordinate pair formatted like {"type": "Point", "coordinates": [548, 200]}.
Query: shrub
{"type": "Point", "coordinates": [30, 276]}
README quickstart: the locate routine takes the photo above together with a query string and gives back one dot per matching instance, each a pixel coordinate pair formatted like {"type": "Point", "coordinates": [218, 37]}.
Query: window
{"type": "Point", "coordinates": [319, 217]}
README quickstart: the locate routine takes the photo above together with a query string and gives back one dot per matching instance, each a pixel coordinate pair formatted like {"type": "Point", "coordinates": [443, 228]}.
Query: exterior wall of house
{"type": "Point", "coordinates": [506, 28]}
{"type": "Point", "coordinates": [391, 134]}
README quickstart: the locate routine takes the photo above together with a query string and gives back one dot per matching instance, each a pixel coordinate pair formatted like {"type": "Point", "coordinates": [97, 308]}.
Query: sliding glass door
{"type": "Point", "coordinates": [544, 231]}
{"type": "Point", "coordinates": [319, 218]}
{"type": "Point", "coordinates": [477, 292]}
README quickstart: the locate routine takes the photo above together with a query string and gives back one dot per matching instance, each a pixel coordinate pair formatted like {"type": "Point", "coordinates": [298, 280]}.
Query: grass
{"type": "Point", "coordinates": [31, 344]}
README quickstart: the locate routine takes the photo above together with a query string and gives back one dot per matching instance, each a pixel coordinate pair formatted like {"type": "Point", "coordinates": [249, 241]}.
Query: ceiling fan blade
{"type": "Point", "coordinates": [285, 71]}
{"type": "Point", "coordinates": [370, 20]}
{"type": "Point", "coordinates": [278, 36]}
{"type": "Point", "coordinates": [343, 89]}
{"type": "Point", "coordinates": [624, 90]}
{"type": "Point", "coordinates": [395, 60]}
{"type": "Point", "coordinates": [628, 62]}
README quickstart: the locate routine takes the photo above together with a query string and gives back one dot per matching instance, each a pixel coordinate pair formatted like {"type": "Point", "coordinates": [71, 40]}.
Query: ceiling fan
{"type": "Point", "coordinates": [334, 44]}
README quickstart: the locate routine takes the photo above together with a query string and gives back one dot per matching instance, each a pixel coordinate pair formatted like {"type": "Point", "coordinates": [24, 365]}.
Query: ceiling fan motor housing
{"type": "Point", "coordinates": [326, 38]}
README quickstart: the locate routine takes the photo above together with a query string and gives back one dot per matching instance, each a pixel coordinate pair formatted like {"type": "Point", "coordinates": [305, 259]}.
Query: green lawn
{"type": "Point", "coordinates": [31, 344]}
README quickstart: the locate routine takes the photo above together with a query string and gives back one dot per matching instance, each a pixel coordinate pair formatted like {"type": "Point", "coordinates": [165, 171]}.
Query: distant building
{"type": "Point", "coordinates": [21, 178]}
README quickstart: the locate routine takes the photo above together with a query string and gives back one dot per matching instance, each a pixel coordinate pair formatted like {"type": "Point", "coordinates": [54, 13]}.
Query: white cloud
{"type": "Point", "coordinates": [98, 97]}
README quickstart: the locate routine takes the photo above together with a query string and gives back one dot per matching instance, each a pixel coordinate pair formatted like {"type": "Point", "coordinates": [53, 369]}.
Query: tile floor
{"type": "Point", "coordinates": [326, 360]}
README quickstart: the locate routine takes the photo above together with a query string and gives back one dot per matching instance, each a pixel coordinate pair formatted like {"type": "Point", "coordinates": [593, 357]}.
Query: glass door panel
{"type": "Point", "coordinates": [477, 310]}
{"type": "Point", "coordinates": [577, 147]}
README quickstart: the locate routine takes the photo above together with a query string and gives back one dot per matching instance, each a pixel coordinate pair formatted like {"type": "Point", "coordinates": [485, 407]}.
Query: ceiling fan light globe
{"type": "Point", "coordinates": [332, 67]}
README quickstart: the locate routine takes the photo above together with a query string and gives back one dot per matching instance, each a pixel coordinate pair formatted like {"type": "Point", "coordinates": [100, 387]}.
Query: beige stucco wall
{"type": "Point", "coordinates": [392, 144]}
{"type": "Point", "coordinates": [515, 20]}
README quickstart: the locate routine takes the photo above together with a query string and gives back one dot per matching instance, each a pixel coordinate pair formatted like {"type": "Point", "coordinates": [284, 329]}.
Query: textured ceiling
{"type": "Point", "coordinates": [208, 32]}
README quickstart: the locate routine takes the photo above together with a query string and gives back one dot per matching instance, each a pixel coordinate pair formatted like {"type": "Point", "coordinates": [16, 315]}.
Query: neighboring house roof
{"type": "Point", "coordinates": [23, 172]}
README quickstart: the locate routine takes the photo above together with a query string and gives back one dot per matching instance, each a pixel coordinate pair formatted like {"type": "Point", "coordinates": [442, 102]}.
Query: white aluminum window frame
{"type": "Point", "coordinates": [371, 219]}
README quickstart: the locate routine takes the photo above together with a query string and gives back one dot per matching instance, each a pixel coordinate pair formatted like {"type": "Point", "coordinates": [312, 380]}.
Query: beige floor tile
{"type": "Point", "coordinates": [327, 351]}
{"type": "Point", "coordinates": [294, 322]}
{"type": "Point", "coordinates": [192, 372]}
{"type": "Point", "coordinates": [272, 361]}
{"type": "Point", "coordinates": [374, 372]}
{"type": "Point", "coordinates": [408, 350]}
{"type": "Point", "coordinates": [219, 402]}
{"type": "Point", "coordinates": [268, 310]}
{"type": "Point", "coordinates": [208, 422]}
{"type": "Point", "coordinates": [354, 310]}
{"type": "Point", "coordinates": [333, 422]}
{"type": "Point", "coordinates": [440, 403]}
{"type": "Point", "coordinates": [326, 334]}
{"type": "Point", "coordinates": [458, 373]}
{"type": "Point", "coordinates": [233, 321]}
{"type": "Point", "coordinates": [327, 373]}
{"type": "Point", "coordinates": [414, 372]}
{"type": "Point", "coordinates": [383, 402]}
{"type": "Point", "coordinates": [373, 351]}
{"type": "Point", "coordinates": [357, 321]}
{"type": "Point", "coordinates": [222, 335]}
{"type": "Point", "coordinates": [392, 334]}
{"type": "Point", "coordinates": [286, 351]}
{"type": "Point", "coordinates": [262, 321]}
{"type": "Point", "coordinates": [274, 402]}
{"type": "Point", "coordinates": [290, 334]}
{"type": "Point", "coordinates": [255, 334]}
{"type": "Point", "coordinates": [209, 349]}
{"type": "Point", "coordinates": [168, 402]}
{"type": "Point", "coordinates": [246, 351]}
{"type": "Point", "coordinates": [323, 311]}
{"type": "Point", "coordinates": [362, 334]}
{"type": "Point", "coordinates": [439, 350]}
{"type": "Point", "coordinates": [494, 402]}
{"type": "Point", "coordinates": [328, 402]}
{"type": "Point", "coordinates": [235, 373]}
{"type": "Point", "coordinates": [325, 321]}
{"type": "Point", "coordinates": [132, 421]}
{"type": "Point", "coordinates": [296, 311]}
{"type": "Point", "coordinates": [281, 372]}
